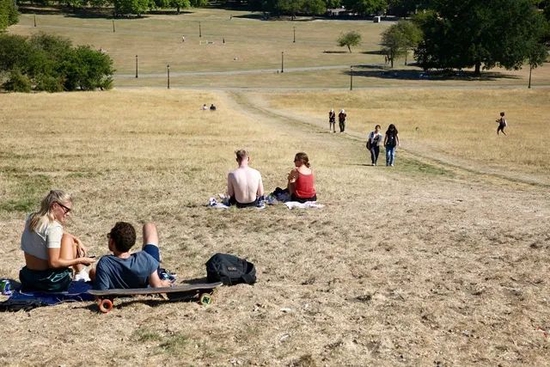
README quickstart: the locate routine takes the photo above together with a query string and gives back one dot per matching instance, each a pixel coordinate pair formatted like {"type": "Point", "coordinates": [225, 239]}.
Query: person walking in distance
{"type": "Point", "coordinates": [342, 120]}
{"type": "Point", "coordinates": [391, 142]}
{"type": "Point", "coordinates": [332, 120]}
{"type": "Point", "coordinates": [373, 144]}
{"type": "Point", "coordinates": [501, 123]}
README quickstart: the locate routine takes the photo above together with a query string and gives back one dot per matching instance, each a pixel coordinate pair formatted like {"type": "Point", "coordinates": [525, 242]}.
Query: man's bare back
{"type": "Point", "coordinates": [244, 184]}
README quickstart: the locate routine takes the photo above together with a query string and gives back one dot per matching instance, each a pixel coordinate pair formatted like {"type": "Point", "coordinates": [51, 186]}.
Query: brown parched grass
{"type": "Point", "coordinates": [437, 261]}
{"type": "Point", "coordinates": [441, 260]}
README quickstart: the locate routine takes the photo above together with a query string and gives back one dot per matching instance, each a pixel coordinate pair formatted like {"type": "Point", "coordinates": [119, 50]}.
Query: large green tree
{"type": "Point", "coordinates": [404, 8]}
{"type": "Point", "coordinates": [365, 7]}
{"type": "Point", "coordinates": [481, 34]}
{"type": "Point", "coordinates": [293, 7]}
{"type": "Point", "coordinates": [8, 14]}
{"type": "Point", "coordinates": [49, 63]}
{"type": "Point", "coordinates": [399, 38]}
{"type": "Point", "coordinates": [137, 7]}
{"type": "Point", "coordinates": [349, 39]}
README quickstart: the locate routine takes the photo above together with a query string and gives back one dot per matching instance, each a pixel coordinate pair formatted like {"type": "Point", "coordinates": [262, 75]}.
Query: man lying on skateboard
{"type": "Point", "coordinates": [123, 269]}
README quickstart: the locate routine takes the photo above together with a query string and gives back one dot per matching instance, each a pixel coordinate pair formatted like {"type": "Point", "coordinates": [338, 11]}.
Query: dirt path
{"type": "Point", "coordinates": [253, 104]}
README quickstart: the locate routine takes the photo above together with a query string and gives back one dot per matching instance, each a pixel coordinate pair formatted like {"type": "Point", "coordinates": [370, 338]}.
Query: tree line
{"type": "Point", "coordinates": [50, 63]}
{"type": "Point", "coordinates": [443, 34]}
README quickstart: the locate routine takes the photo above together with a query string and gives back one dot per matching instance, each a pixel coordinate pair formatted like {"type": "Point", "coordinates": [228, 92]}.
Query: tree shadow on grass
{"type": "Point", "coordinates": [374, 52]}
{"type": "Point", "coordinates": [382, 72]}
{"type": "Point", "coordinates": [40, 10]}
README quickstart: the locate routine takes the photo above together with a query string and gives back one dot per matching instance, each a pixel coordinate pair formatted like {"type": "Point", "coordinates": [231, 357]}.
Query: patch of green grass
{"type": "Point", "coordinates": [414, 166]}
{"type": "Point", "coordinates": [28, 190]}
{"type": "Point", "coordinates": [83, 174]}
{"type": "Point", "coordinates": [174, 344]}
{"type": "Point", "coordinates": [146, 335]}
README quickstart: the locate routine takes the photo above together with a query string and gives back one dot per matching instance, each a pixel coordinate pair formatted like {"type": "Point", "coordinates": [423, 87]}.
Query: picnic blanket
{"type": "Point", "coordinates": [277, 196]}
{"type": "Point", "coordinates": [27, 300]}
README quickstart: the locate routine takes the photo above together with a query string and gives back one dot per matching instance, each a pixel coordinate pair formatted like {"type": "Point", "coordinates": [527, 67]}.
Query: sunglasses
{"type": "Point", "coordinates": [65, 208]}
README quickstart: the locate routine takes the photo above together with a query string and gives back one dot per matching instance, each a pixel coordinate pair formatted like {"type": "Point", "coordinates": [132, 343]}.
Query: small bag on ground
{"type": "Point", "coordinates": [230, 270]}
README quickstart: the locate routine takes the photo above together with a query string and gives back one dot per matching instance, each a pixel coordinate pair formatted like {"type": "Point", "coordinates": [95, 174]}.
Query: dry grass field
{"type": "Point", "coordinates": [253, 53]}
{"type": "Point", "coordinates": [441, 260]}
{"type": "Point", "coordinates": [427, 263]}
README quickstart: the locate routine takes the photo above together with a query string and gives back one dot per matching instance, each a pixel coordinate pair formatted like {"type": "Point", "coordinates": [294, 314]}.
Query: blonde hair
{"type": "Point", "coordinates": [241, 155]}
{"type": "Point", "coordinates": [44, 215]}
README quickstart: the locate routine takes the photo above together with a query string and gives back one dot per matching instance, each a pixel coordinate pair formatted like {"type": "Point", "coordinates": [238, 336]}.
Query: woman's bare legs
{"type": "Point", "coordinates": [69, 250]}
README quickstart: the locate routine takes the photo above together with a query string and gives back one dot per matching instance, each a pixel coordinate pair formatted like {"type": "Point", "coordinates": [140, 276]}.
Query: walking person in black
{"type": "Point", "coordinates": [342, 120]}
{"type": "Point", "coordinates": [501, 123]}
{"type": "Point", "coordinates": [391, 142]}
{"type": "Point", "coordinates": [332, 120]}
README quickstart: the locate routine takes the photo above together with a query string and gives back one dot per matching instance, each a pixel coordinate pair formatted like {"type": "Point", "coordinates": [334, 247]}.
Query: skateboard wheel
{"type": "Point", "coordinates": [105, 305]}
{"type": "Point", "coordinates": [205, 299]}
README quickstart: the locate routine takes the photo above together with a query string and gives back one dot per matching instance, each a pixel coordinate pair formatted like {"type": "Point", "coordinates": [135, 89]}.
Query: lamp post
{"type": "Point", "coordinates": [294, 39]}
{"type": "Point", "coordinates": [282, 62]}
{"type": "Point", "coordinates": [168, 74]}
{"type": "Point", "coordinates": [200, 31]}
{"type": "Point", "coordinates": [136, 66]}
{"type": "Point", "coordinates": [351, 77]}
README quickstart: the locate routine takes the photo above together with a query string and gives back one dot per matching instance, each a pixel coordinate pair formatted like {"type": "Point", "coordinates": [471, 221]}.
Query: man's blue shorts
{"type": "Point", "coordinates": [152, 250]}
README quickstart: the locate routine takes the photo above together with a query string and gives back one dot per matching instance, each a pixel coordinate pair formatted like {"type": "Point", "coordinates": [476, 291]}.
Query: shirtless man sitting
{"type": "Point", "coordinates": [244, 185]}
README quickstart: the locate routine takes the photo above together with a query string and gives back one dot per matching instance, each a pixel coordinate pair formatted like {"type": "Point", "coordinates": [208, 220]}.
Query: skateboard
{"type": "Point", "coordinates": [202, 292]}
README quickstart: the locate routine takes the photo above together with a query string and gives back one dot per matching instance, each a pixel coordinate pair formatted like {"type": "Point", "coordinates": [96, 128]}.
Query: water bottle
{"type": "Point", "coordinates": [5, 287]}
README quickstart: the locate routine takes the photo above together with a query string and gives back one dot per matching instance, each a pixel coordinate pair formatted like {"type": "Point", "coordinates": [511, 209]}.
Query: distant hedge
{"type": "Point", "coordinates": [50, 63]}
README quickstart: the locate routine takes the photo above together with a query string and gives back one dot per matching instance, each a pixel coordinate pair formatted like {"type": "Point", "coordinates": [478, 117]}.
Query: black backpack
{"type": "Point", "coordinates": [230, 270]}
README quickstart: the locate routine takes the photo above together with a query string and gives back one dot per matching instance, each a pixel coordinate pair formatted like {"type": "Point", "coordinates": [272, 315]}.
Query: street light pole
{"type": "Point", "coordinates": [282, 62]}
{"type": "Point", "coordinates": [294, 39]}
{"type": "Point", "coordinates": [351, 77]}
{"type": "Point", "coordinates": [168, 73]}
{"type": "Point", "coordinates": [136, 66]}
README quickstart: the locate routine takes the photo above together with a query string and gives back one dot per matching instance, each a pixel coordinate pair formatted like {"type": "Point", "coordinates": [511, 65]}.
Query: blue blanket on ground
{"type": "Point", "coordinates": [27, 300]}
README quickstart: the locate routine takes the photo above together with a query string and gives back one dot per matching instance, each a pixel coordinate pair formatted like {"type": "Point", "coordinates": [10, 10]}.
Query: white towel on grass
{"type": "Point", "coordinates": [306, 205]}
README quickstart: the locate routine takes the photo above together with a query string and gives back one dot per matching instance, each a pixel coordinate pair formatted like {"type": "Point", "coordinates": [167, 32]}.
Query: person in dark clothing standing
{"type": "Point", "coordinates": [332, 120]}
{"type": "Point", "coordinates": [342, 120]}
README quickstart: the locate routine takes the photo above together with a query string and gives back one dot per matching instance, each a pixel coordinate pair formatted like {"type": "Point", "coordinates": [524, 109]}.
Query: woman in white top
{"type": "Point", "coordinates": [51, 254]}
{"type": "Point", "coordinates": [373, 144]}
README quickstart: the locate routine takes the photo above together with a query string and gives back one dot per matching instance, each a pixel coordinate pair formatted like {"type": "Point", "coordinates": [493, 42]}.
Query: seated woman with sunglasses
{"type": "Point", "coordinates": [51, 254]}
{"type": "Point", "coordinates": [301, 181]}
